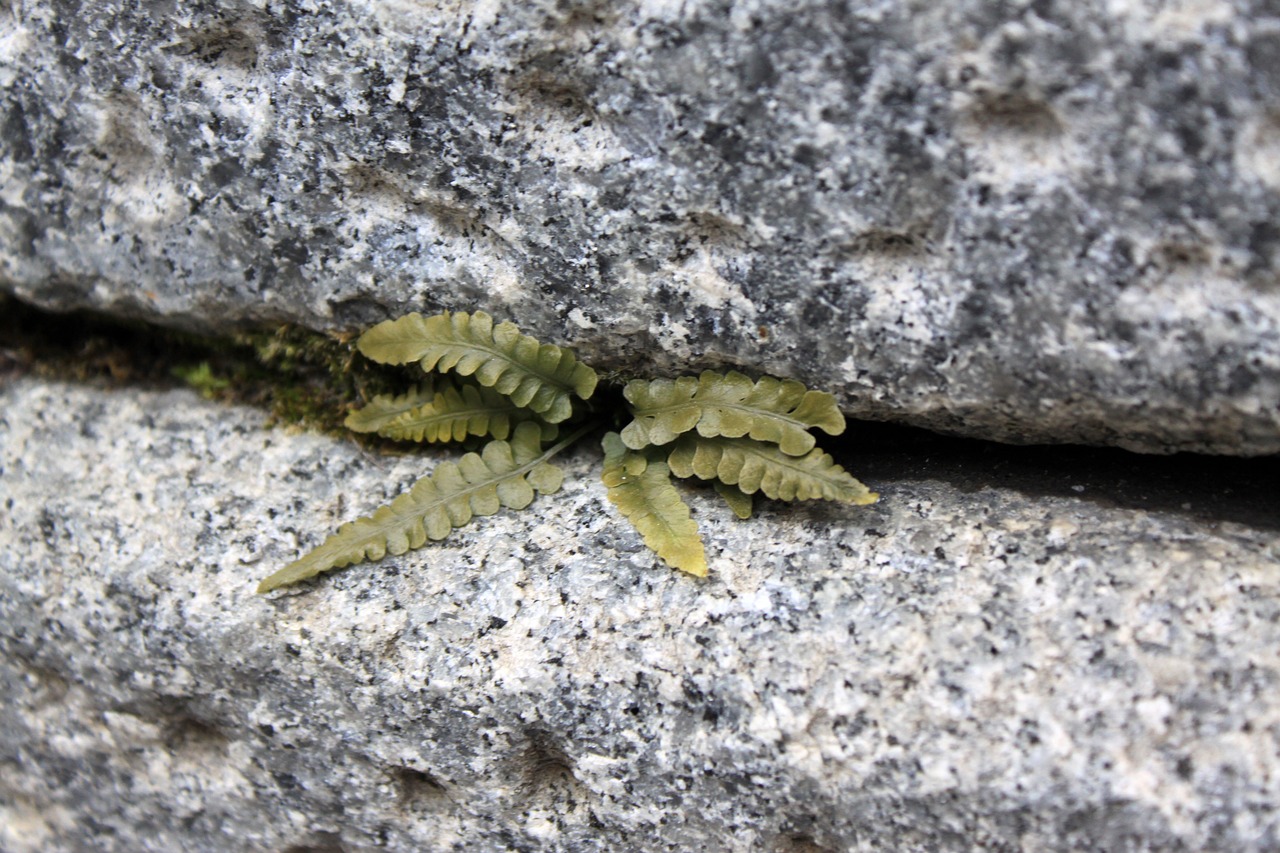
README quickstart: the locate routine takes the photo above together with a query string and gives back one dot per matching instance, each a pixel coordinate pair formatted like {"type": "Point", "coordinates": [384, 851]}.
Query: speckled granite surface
{"type": "Point", "coordinates": [1049, 221]}
{"type": "Point", "coordinates": [964, 664]}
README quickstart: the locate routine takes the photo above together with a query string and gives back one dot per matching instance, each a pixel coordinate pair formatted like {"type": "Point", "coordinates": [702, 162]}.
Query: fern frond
{"type": "Point", "coordinates": [754, 466]}
{"type": "Point", "coordinates": [453, 414]}
{"type": "Point", "coordinates": [504, 474]}
{"type": "Point", "coordinates": [537, 376]}
{"type": "Point", "coordinates": [640, 487]}
{"type": "Point", "coordinates": [730, 405]}
{"type": "Point", "coordinates": [385, 408]}
{"type": "Point", "coordinates": [739, 501]}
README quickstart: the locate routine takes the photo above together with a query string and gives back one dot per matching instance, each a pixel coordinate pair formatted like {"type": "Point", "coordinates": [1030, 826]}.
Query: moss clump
{"type": "Point", "coordinates": [302, 377]}
{"type": "Point", "coordinates": [202, 378]}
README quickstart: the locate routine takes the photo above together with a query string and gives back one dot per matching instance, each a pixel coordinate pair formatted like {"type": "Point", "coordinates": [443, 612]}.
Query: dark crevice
{"type": "Point", "coordinates": [1208, 489]}
{"type": "Point", "coordinates": [322, 842]}
{"type": "Point", "coordinates": [307, 378]}
{"type": "Point", "coordinates": [300, 376]}
{"type": "Point", "coordinates": [414, 785]}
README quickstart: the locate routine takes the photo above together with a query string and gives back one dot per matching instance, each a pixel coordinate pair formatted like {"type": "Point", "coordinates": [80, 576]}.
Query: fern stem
{"type": "Point", "coordinates": [561, 445]}
{"type": "Point", "coordinates": [349, 545]}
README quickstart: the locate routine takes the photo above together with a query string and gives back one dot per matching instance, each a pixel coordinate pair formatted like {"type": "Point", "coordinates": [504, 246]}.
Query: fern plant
{"type": "Point", "coordinates": [532, 400]}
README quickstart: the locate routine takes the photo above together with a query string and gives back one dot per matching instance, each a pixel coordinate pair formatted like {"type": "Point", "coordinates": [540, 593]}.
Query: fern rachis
{"type": "Point", "coordinates": [731, 405]}
{"type": "Point", "coordinates": [639, 485]}
{"type": "Point", "coordinates": [745, 436]}
{"type": "Point", "coordinates": [541, 377]}
{"type": "Point", "coordinates": [384, 409]}
{"type": "Point", "coordinates": [454, 414]}
{"type": "Point", "coordinates": [755, 466]}
{"type": "Point", "coordinates": [505, 474]}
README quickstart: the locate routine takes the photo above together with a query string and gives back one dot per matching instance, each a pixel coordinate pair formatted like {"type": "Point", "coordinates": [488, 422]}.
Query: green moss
{"type": "Point", "coordinates": [302, 377]}
{"type": "Point", "coordinates": [201, 377]}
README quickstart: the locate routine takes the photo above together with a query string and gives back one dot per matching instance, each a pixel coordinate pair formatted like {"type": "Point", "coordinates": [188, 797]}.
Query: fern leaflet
{"type": "Point", "coordinates": [746, 436]}
{"type": "Point", "coordinates": [640, 487]}
{"type": "Point", "coordinates": [454, 414]}
{"type": "Point", "coordinates": [730, 405]}
{"type": "Point", "coordinates": [739, 501]}
{"type": "Point", "coordinates": [754, 466]}
{"type": "Point", "coordinates": [384, 409]}
{"type": "Point", "coordinates": [504, 474]}
{"type": "Point", "coordinates": [541, 377]}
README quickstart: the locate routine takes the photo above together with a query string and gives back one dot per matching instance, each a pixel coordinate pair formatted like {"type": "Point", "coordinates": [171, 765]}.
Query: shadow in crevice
{"type": "Point", "coordinates": [297, 375]}
{"type": "Point", "coordinates": [547, 769]}
{"type": "Point", "coordinates": [418, 787]}
{"type": "Point", "coordinates": [322, 842]}
{"type": "Point", "coordinates": [1208, 489]}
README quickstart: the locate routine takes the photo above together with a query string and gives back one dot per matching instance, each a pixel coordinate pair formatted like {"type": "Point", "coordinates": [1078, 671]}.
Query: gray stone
{"type": "Point", "coordinates": [1029, 221]}
{"type": "Point", "coordinates": [965, 664]}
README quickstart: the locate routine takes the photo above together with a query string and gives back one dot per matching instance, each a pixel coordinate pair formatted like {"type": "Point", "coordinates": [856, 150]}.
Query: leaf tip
{"type": "Point", "coordinates": [696, 567]}
{"type": "Point", "coordinates": [268, 584]}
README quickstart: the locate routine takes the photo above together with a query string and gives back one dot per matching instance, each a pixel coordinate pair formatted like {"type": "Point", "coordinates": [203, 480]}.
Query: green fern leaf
{"type": "Point", "coordinates": [755, 466]}
{"type": "Point", "coordinates": [739, 501]}
{"type": "Point", "coordinates": [504, 474]}
{"type": "Point", "coordinates": [537, 376]}
{"type": "Point", "coordinates": [385, 408]}
{"type": "Point", "coordinates": [454, 414]}
{"type": "Point", "coordinates": [640, 487]}
{"type": "Point", "coordinates": [730, 405]}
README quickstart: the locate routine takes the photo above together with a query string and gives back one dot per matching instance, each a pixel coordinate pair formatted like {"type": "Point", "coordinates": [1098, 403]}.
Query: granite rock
{"type": "Point", "coordinates": [1027, 221]}
{"type": "Point", "coordinates": [970, 662]}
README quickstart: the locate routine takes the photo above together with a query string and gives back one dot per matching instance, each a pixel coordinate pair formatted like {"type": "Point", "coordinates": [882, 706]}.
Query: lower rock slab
{"type": "Point", "coordinates": [949, 668]}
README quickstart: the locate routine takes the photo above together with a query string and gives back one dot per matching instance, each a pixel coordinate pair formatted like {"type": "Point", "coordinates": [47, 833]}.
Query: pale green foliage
{"type": "Point", "coordinates": [385, 408]}
{"type": "Point", "coordinates": [540, 377]}
{"type": "Point", "coordinates": [505, 474]}
{"type": "Point", "coordinates": [731, 405]}
{"type": "Point", "coordinates": [453, 414]}
{"type": "Point", "coordinates": [640, 487]}
{"type": "Point", "coordinates": [754, 466]}
{"type": "Point", "coordinates": [739, 501]}
{"type": "Point", "coordinates": [747, 437]}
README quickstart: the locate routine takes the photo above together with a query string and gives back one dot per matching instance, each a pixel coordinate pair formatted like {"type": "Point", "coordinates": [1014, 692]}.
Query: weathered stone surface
{"type": "Point", "coordinates": [1033, 221]}
{"type": "Point", "coordinates": [963, 664]}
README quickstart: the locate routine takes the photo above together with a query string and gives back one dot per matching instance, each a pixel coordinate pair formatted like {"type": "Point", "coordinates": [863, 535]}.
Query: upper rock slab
{"type": "Point", "coordinates": [1048, 221]}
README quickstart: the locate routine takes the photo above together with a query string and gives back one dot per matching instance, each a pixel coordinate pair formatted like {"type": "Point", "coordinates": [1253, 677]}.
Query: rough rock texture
{"type": "Point", "coordinates": [1049, 221]}
{"type": "Point", "coordinates": [962, 664]}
